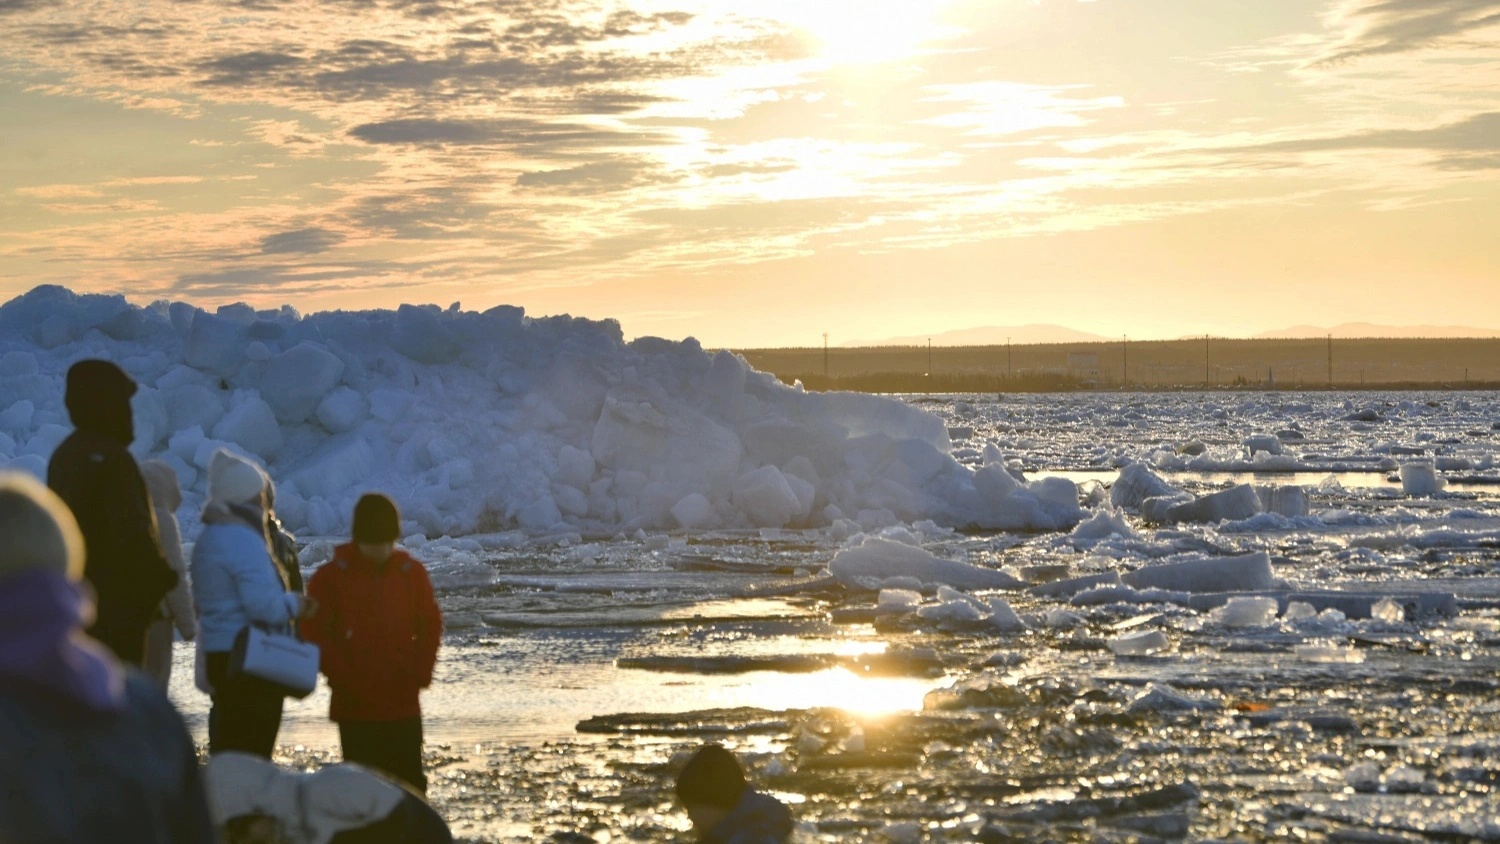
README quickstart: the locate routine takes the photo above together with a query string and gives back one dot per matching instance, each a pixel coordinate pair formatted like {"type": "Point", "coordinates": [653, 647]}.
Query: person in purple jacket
{"type": "Point", "coordinates": [90, 751]}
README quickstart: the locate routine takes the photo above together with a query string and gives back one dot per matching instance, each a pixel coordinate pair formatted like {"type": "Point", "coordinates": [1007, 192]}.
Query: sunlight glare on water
{"type": "Point", "coordinates": [838, 688]}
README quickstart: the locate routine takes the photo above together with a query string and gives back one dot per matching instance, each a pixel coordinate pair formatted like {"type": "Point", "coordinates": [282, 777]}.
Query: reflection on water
{"type": "Point", "coordinates": [839, 688]}
{"type": "Point", "coordinates": [537, 685]}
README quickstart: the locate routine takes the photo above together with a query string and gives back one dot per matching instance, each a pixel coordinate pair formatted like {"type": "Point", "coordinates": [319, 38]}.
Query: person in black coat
{"type": "Point", "coordinates": [95, 475]}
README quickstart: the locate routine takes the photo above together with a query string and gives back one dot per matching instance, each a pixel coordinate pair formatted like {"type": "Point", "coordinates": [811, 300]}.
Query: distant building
{"type": "Point", "coordinates": [1083, 364]}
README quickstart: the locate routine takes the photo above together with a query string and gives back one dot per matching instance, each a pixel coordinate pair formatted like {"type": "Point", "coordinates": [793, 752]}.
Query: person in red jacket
{"type": "Point", "coordinates": [378, 627]}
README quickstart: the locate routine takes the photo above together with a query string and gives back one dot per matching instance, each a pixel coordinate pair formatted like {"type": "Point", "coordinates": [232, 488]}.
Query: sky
{"type": "Point", "coordinates": [759, 174]}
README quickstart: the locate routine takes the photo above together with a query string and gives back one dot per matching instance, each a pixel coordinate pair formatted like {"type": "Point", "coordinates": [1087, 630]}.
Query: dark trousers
{"type": "Point", "coordinates": [246, 715]}
{"type": "Point", "coordinates": [393, 748]}
{"type": "Point", "coordinates": [411, 822]}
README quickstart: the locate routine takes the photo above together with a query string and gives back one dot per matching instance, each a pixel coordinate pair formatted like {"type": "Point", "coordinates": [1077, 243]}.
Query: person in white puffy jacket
{"type": "Point", "coordinates": [177, 609]}
{"type": "Point", "coordinates": [236, 584]}
{"type": "Point", "coordinates": [254, 801]}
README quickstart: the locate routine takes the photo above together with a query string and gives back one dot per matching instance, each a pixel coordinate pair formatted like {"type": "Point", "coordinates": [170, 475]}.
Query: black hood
{"type": "Point", "coordinates": [98, 400]}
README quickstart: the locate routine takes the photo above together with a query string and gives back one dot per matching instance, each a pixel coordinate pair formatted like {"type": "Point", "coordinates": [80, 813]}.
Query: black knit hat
{"type": "Point", "coordinates": [711, 778]}
{"type": "Point", "coordinates": [98, 398]}
{"type": "Point", "coordinates": [376, 519]}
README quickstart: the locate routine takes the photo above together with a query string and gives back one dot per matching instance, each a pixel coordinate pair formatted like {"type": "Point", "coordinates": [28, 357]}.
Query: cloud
{"type": "Point", "coordinates": [725, 171]}
{"type": "Point", "coordinates": [7, 6]}
{"type": "Point", "coordinates": [538, 135]}
{"type": "Point", "coordinates": [608, 175]}
{"type": "Point", "coordinates": [1381, 27]}
{"type": "Point", "coordinates": [253, 67]}
{"type": "Point", "coordinates": [301, 241]}
{"type": "Point", "coordinates": [1469, 144]}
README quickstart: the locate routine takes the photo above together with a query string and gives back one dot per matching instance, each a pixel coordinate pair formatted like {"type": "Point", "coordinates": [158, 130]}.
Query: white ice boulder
{"type": "Point", "coordinates": [898, 600]}
{"type": "Point", "coordinates": [1002, 617]}
{"type": "Point", "coordinates": [1141, 643]}
{"type": "Point", "coordinates": [1263, 443]}
{"type": "Point", "coordinates": [152, 420]}
{"type": "Point", "coordinates": [1154, 510]}
{"type": "Point", "coordinates": [1235, 503]}
{"type": "Point", "coordinates": [1290, 501]}
{"type": "Point", "coordinates": [1247, 611]}
{"type": "Point", "coordinates": [1246, 573]}
{"type": "Point", "coordinates": [1105, 522]}
{"type": "Point", "coordinates": [876, 560]}
{"type": "Point", "coordinates": [575, 467]}
{"type": "Point", "coordinates": [336, 469]}
{"type": "Point", "coordinates": [18, 364]}
{"type": "Point", "coordinates": [389, 405]}
{"type": "Point", "coordinates": [342, 410]}
{"type": "Point", "coordinates": [539, 515]}
{"type": "Point", "coordinates": [665, 441]}
{"type": "Point", "coordinates": [1137, 483]}
{"type": "Point", "coordinates": [193, 405]}
{"type": "Point", "coordinates": [215, 345]}
{"type": "Point", "coordinates": [420, 335]}
{"type": "Point", "coordinates": [1420, 479]}
{"type": "Point", "coordinates": [695, 512]}
{"type": "Point", "coordinates": [251, 424]}
{"type": "Point", "coordinates": [1058, 491]}
{"type": "Point", "coordinates": [17, 417]}
{"type": "Point", "coordinates": [765, 497]}
{"type": "Point", "coordinates": [296, 381]}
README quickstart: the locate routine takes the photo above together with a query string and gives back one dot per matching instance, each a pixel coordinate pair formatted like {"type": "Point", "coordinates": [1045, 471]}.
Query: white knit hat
{"type": "Point", "coordinates": [37, 530]}
{"type": "Point", "coordinates": [234, 480]}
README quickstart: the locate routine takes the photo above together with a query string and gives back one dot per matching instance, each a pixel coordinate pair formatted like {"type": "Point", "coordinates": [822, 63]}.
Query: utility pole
{"type": "Point", "coordinates": [929, 357]}
{"type": "Point", "coordinates": [1009, 372]}
{"type": "Point", "coordinates": [825, 356]}
{"type": "Point", "coordinates": [1125, 363]}
{"type": "Point", "coordinates": [1330, 361]}
{"type": "Point", "coordinates": [1207, 378]}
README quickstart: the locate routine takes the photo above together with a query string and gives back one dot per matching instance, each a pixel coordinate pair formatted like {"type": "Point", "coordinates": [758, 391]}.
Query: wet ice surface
{"type": "Point", "coordinates": [575, 668]}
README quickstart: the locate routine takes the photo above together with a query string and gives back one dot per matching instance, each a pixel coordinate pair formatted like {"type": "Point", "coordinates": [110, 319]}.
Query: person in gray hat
{"type": "Point", "coordinates": [93, 472]}
{"type": "Point", "coordinates": [90, 751]}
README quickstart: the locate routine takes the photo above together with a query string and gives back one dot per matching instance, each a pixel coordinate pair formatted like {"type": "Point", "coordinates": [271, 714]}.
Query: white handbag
{"type": "Point", "coordinates": [277, 657]}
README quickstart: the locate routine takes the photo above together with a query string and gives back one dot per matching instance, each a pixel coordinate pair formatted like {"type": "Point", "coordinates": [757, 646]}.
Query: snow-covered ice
{"type": "Point", "coordinates": [485, 421]}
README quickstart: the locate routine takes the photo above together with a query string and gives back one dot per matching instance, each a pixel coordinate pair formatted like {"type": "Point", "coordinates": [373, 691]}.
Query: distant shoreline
{"type": "Point", "coordinates": [1150, 366]}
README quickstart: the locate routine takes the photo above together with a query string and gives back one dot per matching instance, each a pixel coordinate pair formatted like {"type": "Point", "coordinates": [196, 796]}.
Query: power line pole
{"type": "Point", "coordinates": [1009, 372]}
{"type": "Point", "coordinates": [1125, 363]}
{"type": "Point", "coordinates": [1330, 361]}
{"type": "Point", "coordinates": [825, 356]}
{"type": "Point", "coordinates": [1207, 379]}
{"type": "Point", "coordinates": [929, 357]}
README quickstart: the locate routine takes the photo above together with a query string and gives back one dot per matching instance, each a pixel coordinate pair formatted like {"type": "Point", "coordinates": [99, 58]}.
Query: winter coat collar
{"type": "Point", "coordinates": [42, 644]}
{"type": "Point", "coordinates": [249, 515]}
{"type": "Point", "coordinates": [347, 556]}
{"type": "Point", "coordinates": [757, 819]}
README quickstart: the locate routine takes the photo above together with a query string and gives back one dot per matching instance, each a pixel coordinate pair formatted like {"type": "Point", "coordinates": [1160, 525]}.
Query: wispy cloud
{"type": "Point", "coordinates": [1381, 27]}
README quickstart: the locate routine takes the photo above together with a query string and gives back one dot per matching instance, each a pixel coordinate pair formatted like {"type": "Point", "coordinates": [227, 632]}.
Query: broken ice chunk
{"type": "Point", "coordinates": [1388, 611]}
{"type": "Point", "coordinates": [1300, 611]}
{"type": "Point", "coordinates": [898, 600]}
{"type": "Point", "coordinates": [1247, 612]}
{"type": "Point", "coordinates": [1328, 652]}
{"type": "Point", "coordinates": [1144, 643]}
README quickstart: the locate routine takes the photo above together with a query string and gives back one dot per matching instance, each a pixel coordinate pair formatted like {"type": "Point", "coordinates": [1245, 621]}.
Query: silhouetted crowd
{"type": "Point", "coordinates": [94, 589]}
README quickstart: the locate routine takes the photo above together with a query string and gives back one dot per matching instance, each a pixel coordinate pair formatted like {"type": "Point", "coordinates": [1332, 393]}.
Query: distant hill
{"type": "Point", "coordinates": [1353, 330]}
{"type": "Point", "coordinates": [990, 335]}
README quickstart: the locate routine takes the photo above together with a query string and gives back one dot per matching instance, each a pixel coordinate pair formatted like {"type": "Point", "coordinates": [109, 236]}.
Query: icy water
{"type": "Point", "coordinates": [576, 668]}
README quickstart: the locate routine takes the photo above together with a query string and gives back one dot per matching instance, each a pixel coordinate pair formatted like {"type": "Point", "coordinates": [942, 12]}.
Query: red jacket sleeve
{"type": "Point", "coordinates": [429, 627]}
{"type": "Point", "coordinates": [322, 627]}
